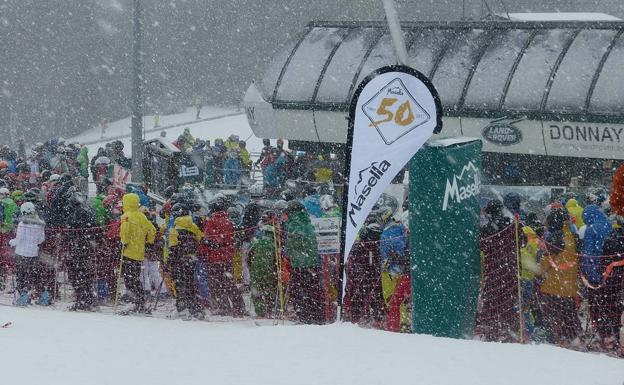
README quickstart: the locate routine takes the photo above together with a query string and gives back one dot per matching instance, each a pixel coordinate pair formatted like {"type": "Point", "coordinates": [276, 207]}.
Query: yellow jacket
{"type": "Point", "coordinates": [575, 211]}
{"type": "Point", "coordinates": [135, 229]}
{"type": "Point", "coordinates": [180, 223]}
{"type": "Point", "coordinates": [528, 254]}
{"type": "Point", "coordinates": [561, 270]}
{"type": "Point", "coordinates": [244, 157]}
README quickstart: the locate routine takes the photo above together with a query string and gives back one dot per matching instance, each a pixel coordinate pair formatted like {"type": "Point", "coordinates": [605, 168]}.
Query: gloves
{"type": "Point", "coordinates": [608, 271]}
{"type": "Point", "coordinates": [13, 242]}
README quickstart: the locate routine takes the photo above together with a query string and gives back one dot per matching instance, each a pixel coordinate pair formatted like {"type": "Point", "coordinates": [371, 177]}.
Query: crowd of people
{"type": "Point", "coordinates": [571, 257]}
{"type": "Point", "coordinates": [227, 163]}
{"type": "Point", "coordinates": [182, 250]}
{"type": "Point", "coordinates": [118, 242]}
{"type": "Point", "coordinates": [207, 254]}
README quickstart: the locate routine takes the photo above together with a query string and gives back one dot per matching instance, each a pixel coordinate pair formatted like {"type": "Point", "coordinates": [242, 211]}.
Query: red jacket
{"type": "Point", "coordinates": [218, 243]}
{"type": "Point", "coordinates": [617, 191]}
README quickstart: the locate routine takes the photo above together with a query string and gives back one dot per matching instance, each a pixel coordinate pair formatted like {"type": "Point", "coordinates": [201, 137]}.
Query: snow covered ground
{"type": "Point", "coordinates": [215, 123]}
{"type": "Point", "coordinates": [60, 348]}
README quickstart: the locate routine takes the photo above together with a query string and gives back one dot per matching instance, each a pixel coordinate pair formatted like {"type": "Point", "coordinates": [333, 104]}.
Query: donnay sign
{"type": "Point", "coordinates": [393, 113]}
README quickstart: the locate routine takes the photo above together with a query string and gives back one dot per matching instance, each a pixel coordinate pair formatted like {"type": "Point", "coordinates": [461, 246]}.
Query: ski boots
{"type": "Point", "coordinates": [44, 299]}
{"type": "Point", "coordinates": [23, 300]}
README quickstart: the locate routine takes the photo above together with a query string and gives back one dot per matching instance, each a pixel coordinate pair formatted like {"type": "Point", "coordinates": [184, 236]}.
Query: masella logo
{"type": "Point", "coordinates": [462, 187]}
{"type": "Point", "coordinates": [394, 112]}
{"type": "Point", "coordinates": [367, 180]}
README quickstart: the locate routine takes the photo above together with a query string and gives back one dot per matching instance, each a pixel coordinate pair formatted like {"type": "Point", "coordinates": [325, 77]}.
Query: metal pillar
{"type": "Point", "coordinates": [137, 95]}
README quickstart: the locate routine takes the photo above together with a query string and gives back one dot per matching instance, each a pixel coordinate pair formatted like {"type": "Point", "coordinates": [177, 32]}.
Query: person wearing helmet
{"type": "Point", "coordinates": [231, 144]}
{"type": "Point", "coordinates": [9, 209]}
{"type": "Point", "coordinates": [135, 231]}
{"type": "Point", "coordinates": [218, 155]}
{"type": "Point", "coordinates": [312, 202]}
{"type": "Point", "coordinates": [183, 242]}
{"type": "Point", "coordinates": [266, 154]}
{"type": "Point", "coordinates": [244, 155]}
{"type": "Point", "coordinates": [218, 251]}
{"type": "Point", "coordinates": [302, 250]}
{"type": "Point", "coordinates": [396, 285]}
{"type": "Point", "coordinates": [30, 234]}
{"type": "Point", "coordinates": [363, 294]}
{"type": "Point", "coordinates": [232, 169]}
{"type": "Point", "coordinates": [263, 272]}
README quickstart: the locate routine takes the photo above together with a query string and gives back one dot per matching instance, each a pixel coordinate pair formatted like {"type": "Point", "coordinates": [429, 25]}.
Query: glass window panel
{"type": "Point", "coordinates": [340, 72]}
{"type": "Point", "coordinates": [608, 96]}
{"type": "Point", "coordinates": [305, 67]}
{"type": "Point", "coordinates": [426, 48]}
{"type": "Point", "coordinates": [528, 84]}
{"type": "Point", "coordinates": [577, 69]}
{"type": "Point", "coordinates": [488, 82]}
{"type": "Point", "coordinates": [272, 73]}
{"type": "Point", "coordinates": [455, 66]}
{"type": "Point", "coordinates": [381, 55]}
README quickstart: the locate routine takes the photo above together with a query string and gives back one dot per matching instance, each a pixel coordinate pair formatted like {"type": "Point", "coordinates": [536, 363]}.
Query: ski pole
{"type": "Point", "coordinates": [162, 281]}
{"type": "Point", "coordinates": [118, 284]}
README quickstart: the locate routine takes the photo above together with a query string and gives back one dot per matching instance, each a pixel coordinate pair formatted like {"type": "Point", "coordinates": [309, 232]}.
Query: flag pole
{"type": "Point", "coordinates": [394, 26]}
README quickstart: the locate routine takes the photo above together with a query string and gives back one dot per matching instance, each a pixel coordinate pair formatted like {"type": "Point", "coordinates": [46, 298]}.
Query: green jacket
{"type": "Point", "coordinates": [83, 162]}
{"type": "Point", "coordinates": [301, 246]}
{"type": "Point", "coordinates": [101, 214]}
{"type": "Point", "coordinates": [10, 210]}
{"type": "Point", "coordinates": [262, 259]}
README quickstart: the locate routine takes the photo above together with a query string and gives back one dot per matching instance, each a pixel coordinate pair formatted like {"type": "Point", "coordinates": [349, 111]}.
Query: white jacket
{"type": "Point", "coordinates": [30, 234]}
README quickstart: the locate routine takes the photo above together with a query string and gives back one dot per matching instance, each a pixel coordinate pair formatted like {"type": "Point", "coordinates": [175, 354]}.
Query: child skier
{"type": "Point", "coordinates": [184, 240]}
{"type": "Point", "coordinates": [30, 234]}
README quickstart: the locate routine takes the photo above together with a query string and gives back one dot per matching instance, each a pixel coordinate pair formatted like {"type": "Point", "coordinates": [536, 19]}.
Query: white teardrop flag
{"type": "Point", "coordinates": [393, 113]}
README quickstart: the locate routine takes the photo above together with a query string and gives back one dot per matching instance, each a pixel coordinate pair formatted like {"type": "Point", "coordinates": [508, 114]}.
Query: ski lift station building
{"type": "Point", "coordinates": [545, 97]}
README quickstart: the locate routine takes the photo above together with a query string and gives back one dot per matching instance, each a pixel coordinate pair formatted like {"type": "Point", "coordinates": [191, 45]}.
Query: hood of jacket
{"type": "Point", "coordinates": [571, 204]}
{"type": "Point", "coordinates": [185, 223]}
{"type": "Point", "coordinates": [131, 202]}
{"type": "Point", "coordinates": [529, 232]}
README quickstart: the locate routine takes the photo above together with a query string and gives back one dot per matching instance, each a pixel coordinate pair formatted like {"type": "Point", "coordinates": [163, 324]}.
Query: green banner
{"type": "Point", "coordinates": [444, 183]}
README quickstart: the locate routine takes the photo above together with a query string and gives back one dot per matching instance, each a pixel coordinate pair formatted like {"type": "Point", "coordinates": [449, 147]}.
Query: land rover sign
{"type": "Point", "coordinates": [502, 132]}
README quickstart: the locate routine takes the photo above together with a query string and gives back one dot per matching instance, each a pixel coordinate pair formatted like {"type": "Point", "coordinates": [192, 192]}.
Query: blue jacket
{"type": "Point", "coordinates": [394, 247]}
{"type": "Point", "coordinates": [312, 204]}
{"type": "Point", "coordinates": [597, 231]}
{"type": "Point", "coordinates": [274, 173]}
{"type": "Point", "coordinates": [232, 171]}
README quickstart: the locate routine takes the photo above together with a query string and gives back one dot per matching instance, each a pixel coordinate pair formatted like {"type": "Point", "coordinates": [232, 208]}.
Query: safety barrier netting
{"type": "Point", "coordinates": [549, 300]}
{"type": "Point", "coordinates": [533, 291]}
{"type": "Point", "coordinates": [80, 269]}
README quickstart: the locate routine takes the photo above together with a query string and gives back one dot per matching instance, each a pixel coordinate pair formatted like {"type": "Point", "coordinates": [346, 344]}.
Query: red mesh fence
{"type": "Point", "coordinates": [80, 269]}
{"type": "Point", "coordinates": [497, 312]}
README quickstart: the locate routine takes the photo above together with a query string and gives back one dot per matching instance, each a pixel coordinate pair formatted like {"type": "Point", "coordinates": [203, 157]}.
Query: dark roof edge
{"type": "Point", "coordinates": [475, 24]}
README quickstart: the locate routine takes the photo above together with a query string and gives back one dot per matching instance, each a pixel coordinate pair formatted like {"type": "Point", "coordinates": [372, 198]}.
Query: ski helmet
{"type": "Point", "coordinates": [179, 210]}
{"type": "Point", "coordinates": [294, 207]}
{"type": "Point", "coordinates": [4, 192]}
{"type": "Point", "coordinates": [218, 203]}
{"type": "Point", "coordinates": [27, 208]}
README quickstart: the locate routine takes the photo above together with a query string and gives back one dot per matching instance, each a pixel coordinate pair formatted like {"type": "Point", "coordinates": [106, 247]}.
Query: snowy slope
{"type": "Point", "coordinates": [214, 123]}
{"type": "Point", "coordinates": [58, 348]}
